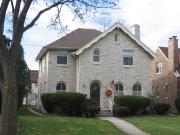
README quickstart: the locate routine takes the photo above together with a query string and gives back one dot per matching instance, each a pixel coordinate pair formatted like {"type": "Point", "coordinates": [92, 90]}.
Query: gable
{"type": "Point", "coordinates": [110, 30]}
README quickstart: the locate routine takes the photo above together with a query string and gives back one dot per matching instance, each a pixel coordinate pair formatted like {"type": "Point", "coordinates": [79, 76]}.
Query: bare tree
{"type": "Point", "coordinates": [18, 10]}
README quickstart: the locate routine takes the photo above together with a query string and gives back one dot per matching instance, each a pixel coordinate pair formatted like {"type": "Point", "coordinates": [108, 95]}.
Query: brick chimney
{"type": "Point", "coordinates": [173, 53]}
{"type": "Point", "coordinates": [137, 30]}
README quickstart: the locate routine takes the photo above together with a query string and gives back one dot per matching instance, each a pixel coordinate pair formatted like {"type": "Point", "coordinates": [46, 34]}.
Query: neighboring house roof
{"type": "Point", "coordinates": [34, 76]}
{"type": "Point", "coordinates": [73, 41]}
{"type": "Point", "coordinates": [165, 51]}
{"type": "Point", "coordinates": [127, 32]}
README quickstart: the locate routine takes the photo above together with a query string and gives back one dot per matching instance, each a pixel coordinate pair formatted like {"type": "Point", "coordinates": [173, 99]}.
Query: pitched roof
{"type": "Point", "coordinates": [165, 51]}
{"type": "Point", "coordinates": [74, 40]}
{"type": "Point", "coordinates": [34, 76]}
{"type": "Point", "coordinates": [127, 32]}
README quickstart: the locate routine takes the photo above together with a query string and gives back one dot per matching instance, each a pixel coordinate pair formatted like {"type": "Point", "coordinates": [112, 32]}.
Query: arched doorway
{"type": "Point", "coordinates": [95, 91]}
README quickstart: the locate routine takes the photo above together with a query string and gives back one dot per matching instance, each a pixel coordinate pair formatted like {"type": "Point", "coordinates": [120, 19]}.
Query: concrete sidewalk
{"type": "Point", "coordinates": [124, 126]}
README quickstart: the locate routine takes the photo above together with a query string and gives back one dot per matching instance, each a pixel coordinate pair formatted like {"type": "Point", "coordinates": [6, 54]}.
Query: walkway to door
{"type": "Point", "coordinates": [124, 126]}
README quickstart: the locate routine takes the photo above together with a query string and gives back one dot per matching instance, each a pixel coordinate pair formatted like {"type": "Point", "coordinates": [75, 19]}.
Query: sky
{"type": "Point", "coordinates": [158, 19]}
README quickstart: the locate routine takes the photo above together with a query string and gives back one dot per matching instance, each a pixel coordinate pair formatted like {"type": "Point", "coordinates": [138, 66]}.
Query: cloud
{"type": "Point", "coordinates": [158, 20]}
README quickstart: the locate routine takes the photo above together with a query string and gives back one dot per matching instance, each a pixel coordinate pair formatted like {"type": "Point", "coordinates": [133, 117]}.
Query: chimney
{"type": "Point", "coordinates": [173, 53]}
{"type": "Point", "coordinates": [137, 31]}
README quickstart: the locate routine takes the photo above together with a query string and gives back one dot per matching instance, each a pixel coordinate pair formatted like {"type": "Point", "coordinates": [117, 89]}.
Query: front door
{"type": "Point", "coordinates": [95, 92]}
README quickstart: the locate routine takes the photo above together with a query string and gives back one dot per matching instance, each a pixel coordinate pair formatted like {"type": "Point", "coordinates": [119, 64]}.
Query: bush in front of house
{"type": "Point", "coordinates": [177, 103]}
{"type": "Point", "coordinates": [90, 107]}
{"type": "Point", "coordinates": [120, 110]}
{"type": "Point", "coordinates": [134, 103]}
{"type": "Point", "coordinates": [161, 108]}
{"type": "Point", "coordinates": [68, 103]}
{"type": "Point", "coordinates": [47, 104]}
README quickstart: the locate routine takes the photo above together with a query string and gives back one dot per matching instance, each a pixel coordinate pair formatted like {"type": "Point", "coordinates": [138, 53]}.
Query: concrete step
{"type": "Point", "coordinates": [104, 113]}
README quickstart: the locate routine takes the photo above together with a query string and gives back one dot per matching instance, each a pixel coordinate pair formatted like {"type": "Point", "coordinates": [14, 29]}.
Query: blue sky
{"type": "Point", "coordinates": [159, 19]}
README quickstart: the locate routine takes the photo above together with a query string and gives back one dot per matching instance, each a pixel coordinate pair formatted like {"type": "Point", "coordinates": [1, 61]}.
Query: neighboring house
{"type": "Point", "coordinates": [33, 96]}
{"type": "Point", "coordinates": [166, 73]}
{"type": "Point", "coordinates": [87, 61]}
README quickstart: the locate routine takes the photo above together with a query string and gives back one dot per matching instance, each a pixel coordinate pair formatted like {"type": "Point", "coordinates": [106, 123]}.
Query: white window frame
{"type": "Point", "coordinates": [159, 67]}
{"type": "Point", "coordinates": [119, 92]}
{"type": "Point", "coordinates": [61, 90]}
{"type": "Point", "coordinates": [96, 55]}
{"type": "Point", "coordinates": [126, 55]}
{"type": "Point", "coordinates": [61, 54]}
{"type": "Point", "coordinates": [137, 92]}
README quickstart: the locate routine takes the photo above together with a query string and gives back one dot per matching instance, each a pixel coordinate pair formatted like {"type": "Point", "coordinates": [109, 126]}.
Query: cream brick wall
{"type": "Point", "coordinates": [57, 73]}
{"type": "Point", "coordinates": [111, 67]}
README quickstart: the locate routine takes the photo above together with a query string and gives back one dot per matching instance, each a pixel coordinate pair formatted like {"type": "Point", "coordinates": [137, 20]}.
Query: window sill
{"type": "Point", "coordinates": [62, 65]}
{"type": "Point", "coordinates": [128, 66]}
{"type": "Point", "coordinates": [96, 63]}
{"type": "Point", "coordinates": [159, 73]}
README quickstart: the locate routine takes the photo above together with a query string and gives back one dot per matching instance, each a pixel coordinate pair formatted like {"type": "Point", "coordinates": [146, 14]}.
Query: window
{"type": "Point", "coordinates": [159, 67]}
{"type": "Point", "coordinates": [137, 89]}
{"type": "Point", "coordinates": [96, 55]}
{"type": "Point", "coordinates": [119, 89]}
{"type": "Point", "coordinates": [116, 37]}
{"type": "Point", "coordinates": [62, 58]}
{"type": "Point", "coordinates": [166, 91]}
{"type": "Point", "coordinates": [61, 87]}
{"type": "Point", "coordinates": [157, 91]}
{"type": "Point", "coordinates": [127, 57]}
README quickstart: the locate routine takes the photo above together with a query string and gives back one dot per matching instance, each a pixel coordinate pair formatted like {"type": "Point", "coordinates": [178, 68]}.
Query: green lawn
{"type": "Point", "coordinates": [56, 125]}
{"type": "Point", "coordinates": [157, 125]}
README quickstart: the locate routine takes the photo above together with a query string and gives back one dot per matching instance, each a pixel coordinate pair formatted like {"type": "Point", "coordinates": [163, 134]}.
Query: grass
{"type": "Point", "coordinates": [56, 125]}
{"type": "Point", "coordinates": [157, 125]}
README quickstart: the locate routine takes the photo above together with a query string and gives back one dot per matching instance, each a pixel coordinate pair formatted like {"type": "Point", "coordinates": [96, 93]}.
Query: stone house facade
{"type": "Point", "coordinates": [166, 73]}
{"type": "Point", "coordinates": [88, 61]}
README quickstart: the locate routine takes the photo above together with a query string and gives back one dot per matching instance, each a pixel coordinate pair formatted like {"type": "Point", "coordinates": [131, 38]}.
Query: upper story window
{"type": "Point", "coordinates": [61, 87]}
{"type": "Point", "coordinates": [137, 89]}
{"type": "Point", "coordinates": [159, 67]}
{"type": "Point", "coordinates": [62, 58]}
{"type": "Point", "coordinates": [116, 37]}
{"type": "Point", "coordinates": [96, 55]}
{"type": "Point", "coordinates": [127, 57]}
{"type": "Point", "coordinates": [119, 89]}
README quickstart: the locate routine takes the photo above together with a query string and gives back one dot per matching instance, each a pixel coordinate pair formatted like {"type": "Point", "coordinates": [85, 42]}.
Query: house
{"type": "Point", "coordinates": [32, 97]}
{"type": "Point", "coordinates": [166, 73]}
{"type": "Point", "coordinates": [87, 61]}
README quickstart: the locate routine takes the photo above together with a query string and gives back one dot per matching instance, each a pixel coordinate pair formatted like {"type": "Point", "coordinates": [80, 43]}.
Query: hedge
{"type": "Point", "coordinates": [177, 103]}
{"type": "Point", "coordinates": [161, 108]}
{"type": "Point", "coordinates": [90, 107]}
{"type": "Point", "coordinates": [120, 110]}
{"type": "Point", "coordinates": [134, 103]}
{"type": "Point", "coordinates": [68, 103]}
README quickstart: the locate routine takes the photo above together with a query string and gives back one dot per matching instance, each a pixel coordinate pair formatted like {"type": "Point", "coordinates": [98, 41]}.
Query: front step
{"type": "Point", "coordinates": [104, 113]}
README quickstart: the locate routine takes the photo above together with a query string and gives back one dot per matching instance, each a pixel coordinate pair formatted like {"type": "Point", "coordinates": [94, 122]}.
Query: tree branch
{"type": "Point", "coordinates": [12, 5]}
{"type": "Point", "coordinates": [31, 24]}
{"type": "Point", "coordinates": [16, 12]}
{"type": "Point", "coordinates": [3, 9]}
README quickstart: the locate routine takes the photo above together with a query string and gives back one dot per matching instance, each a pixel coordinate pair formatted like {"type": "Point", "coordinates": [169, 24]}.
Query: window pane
{"type": "Point", "coordinates": [61, 86]}
{"type": "Point", "coordinates": [62, 58]}
{"type": "Point", "coordinates": [116, 37]}
{"type": "Point", "coordinates": [127, 57]}
{"type": "Point", "coordinates": [96, 55]}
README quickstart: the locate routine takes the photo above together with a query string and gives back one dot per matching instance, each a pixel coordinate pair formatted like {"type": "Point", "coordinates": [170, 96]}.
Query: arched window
{"type": "Point", "coordinates": [119, 89]}
{"type": "Point", "coordinates": [116, 37]}
{"type": "Point", "coordinates": [61, 87]}
{"type": "Point", "coordinates": [137, 89]}
{"type": "Point", "coordinates": [96, 55]}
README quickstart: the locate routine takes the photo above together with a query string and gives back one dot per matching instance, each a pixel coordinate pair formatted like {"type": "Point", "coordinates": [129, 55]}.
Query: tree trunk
{"type": "Point", "coordinates": [9, 102]}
